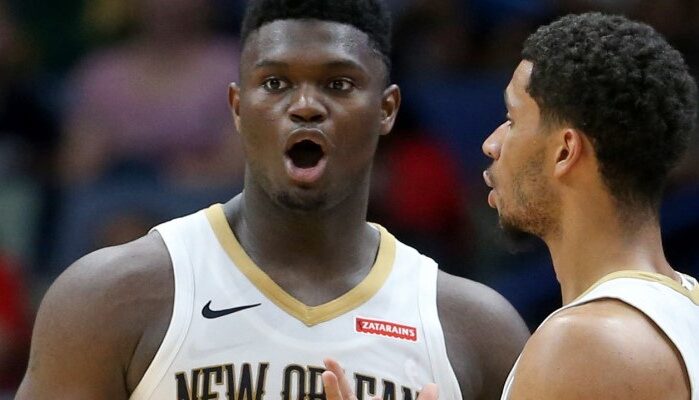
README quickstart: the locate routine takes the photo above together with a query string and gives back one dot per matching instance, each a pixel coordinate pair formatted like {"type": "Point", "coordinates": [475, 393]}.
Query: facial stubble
{"type": "Point", "coordinates": [536, 208]}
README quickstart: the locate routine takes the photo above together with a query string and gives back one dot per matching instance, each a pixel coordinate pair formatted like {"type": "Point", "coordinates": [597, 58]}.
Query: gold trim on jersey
{"type": "Point", "coordinates": [692, 294]}
{"type": "Point", "coordinates": [309, 315]}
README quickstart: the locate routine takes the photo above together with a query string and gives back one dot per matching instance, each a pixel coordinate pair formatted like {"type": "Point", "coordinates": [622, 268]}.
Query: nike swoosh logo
{"type": "Point", "coordinates": [207, 312]}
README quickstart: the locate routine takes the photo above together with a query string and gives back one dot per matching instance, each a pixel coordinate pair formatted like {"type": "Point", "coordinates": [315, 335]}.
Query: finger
{"type": "Point", "coordinates": [429, 392]}
{"type": "Point", "coordinates": [345, 387]}
{"type": "Point", "coordinates": [332, 388]}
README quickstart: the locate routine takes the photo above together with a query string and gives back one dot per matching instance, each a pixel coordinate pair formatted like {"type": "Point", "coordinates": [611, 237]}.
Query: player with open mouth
{"type": "Point", "coordinates": [306, 155]}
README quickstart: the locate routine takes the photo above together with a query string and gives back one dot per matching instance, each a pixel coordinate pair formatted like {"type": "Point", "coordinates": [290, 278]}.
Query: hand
{"type": "Point", "coordinates": [338, 388]}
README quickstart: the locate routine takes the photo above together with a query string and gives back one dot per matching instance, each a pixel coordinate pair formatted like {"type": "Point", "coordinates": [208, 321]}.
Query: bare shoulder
{"type": "Point", "coordinates": [484, 334]}
{"type": "Point", "coordinates": [97, 321]}
{"type": "Point", "coordinates": [602, 349]}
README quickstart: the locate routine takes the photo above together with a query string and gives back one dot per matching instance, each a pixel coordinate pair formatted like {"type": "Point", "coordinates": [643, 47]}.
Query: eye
{"type": "Point", "coordinates": [274, 84]}
{"type": "Point", "coordinates": [341, 85]}
{"type": "Point", "coordinates": [509, 122]}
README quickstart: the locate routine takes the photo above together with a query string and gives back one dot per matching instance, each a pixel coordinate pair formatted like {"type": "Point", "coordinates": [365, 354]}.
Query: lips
{"type": "Point", "coordinates": [305, 155]}
{"type": "Point", "coordinates": [491, 195]}
{"type": "Point", "coordinates": [486, 178]}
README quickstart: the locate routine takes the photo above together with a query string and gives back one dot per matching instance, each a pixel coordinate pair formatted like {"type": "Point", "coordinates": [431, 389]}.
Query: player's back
{"type": "Point", "coordinates": [234, 332]}
{"type": "Point", "coordinates": [671, 306]}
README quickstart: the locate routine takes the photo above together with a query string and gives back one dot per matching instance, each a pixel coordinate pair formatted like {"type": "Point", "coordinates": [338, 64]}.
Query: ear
{"type": "Point", "coordinates": [390, 103]}
{"type": "Point", "coordinates": [234, 103]}
{"type": "Point", "coordinates": [568, 152]}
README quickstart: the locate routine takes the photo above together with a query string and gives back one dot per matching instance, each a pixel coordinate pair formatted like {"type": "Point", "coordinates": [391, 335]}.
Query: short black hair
{"type": "Point", "coordinates": [369, 16]}
{"type": "Point", "coordinates": [622, 85]}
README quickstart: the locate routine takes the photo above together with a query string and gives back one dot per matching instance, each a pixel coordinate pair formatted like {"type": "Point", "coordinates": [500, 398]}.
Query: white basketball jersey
{"type": "Point", "coordinates": [235, 334]}
{"type": "Point", "coordinates": [672, 306]}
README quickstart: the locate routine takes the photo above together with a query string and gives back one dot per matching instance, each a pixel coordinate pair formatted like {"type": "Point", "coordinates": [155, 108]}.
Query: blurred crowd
{"type": "Point", "coordinates": [113, 118]}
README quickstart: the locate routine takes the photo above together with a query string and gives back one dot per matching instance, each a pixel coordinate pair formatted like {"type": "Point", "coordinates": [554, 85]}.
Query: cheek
{"type": "Point", "coordinates": [359, 147]}
{"type": "Point", "coordinates": [507, 177]}
{"type": "Point", "coordinates": [358, 128]}
{"type": "Point", "coordinates": [256, 108]}
{"type": "Point", "coordinates": [512, 153]}
{"type": "Point", "coordinates": [259, 126]}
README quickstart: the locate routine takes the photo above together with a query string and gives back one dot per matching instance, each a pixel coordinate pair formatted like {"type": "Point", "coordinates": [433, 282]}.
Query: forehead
{"type": "Point", "coordinates": [516, 93]}
{"type": "Point", "coordinates": [307, 41]}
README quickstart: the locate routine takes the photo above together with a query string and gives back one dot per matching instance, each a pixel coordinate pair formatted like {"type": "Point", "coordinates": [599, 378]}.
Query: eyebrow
{"type": "Point", "coordinates": [334, 64]}
{"type": "Point", "coordinates": [507, 100]}
{"type": "Point", "coordinates": [345, 64]}
{"type": "Point", "coordinates": [270, 63]}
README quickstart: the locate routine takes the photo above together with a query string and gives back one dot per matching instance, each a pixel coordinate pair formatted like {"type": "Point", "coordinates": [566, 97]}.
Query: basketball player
{"type": "Point", "coordinates": [598, 112]}
{"type": "Point", "coordinates": [243, 300]}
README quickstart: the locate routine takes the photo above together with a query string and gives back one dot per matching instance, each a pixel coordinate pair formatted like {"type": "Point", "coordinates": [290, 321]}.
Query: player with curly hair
{"type": "Point", "coordinates": [599, 112]}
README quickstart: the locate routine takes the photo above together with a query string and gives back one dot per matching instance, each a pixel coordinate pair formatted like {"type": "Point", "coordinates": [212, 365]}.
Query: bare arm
{"type": "Point", "coordinates": [601, 350]}
{"type": "Point", "coordinates": [92, 322]}
{"type": "Point", "coordinates": [484, 335]}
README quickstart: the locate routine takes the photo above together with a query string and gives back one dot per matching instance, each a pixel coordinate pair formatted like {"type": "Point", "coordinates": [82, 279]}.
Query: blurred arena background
{"type": "Point", "coordinates": [113, 118]}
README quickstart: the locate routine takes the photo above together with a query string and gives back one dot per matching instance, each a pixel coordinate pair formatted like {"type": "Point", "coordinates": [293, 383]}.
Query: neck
{"type": "Point", "coordinates": [599, 243]}
{"type": "Point", "coordinates": [320, 241]}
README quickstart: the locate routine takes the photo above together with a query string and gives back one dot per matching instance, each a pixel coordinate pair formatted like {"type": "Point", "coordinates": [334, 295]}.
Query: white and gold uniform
{"type": "Point", "coordinates": [672, 306]}
{"type": "Point", "coordinates": [235, 334]}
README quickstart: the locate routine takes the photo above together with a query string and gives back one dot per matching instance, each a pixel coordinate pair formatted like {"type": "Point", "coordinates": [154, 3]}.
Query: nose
{"type": "Point", "coordinates": [492, 145]}
{"type": "Point", "coordinates": [307, 106]}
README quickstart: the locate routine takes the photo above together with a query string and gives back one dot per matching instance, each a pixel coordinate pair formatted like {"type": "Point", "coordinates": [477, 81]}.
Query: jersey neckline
{"type": "Point", "coordinates": [692, 294]}
{"type": "Point", "coordinates": [309, 315]}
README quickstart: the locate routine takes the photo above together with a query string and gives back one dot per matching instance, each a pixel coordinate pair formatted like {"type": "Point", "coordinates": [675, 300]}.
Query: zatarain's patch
{"type": "Point", "coordinates": [385, 328]}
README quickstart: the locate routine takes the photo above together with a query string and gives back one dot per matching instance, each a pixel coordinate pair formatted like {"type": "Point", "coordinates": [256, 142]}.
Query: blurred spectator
{"type": "Point", "coordinates": [148, 132]}
{"type": "Point", "coordinates": [14, 326]}
{"type": "Point", "coordinates": [159, 101]}
{"type": "Point", "coordinates": [27, 142]}
{"type": "Point", "coordinates": [419, 195]}
{"type": "Point", "coordinates": [55, 32]}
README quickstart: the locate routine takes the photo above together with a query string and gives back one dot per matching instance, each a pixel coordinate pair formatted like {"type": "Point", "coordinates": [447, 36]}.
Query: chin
{"type": "Point", "coordinates": [301, 201]}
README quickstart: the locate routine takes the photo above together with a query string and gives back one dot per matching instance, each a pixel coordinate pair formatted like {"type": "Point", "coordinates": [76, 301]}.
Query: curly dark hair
{"type": "Point", "coordinates": [622, 85]}
{"type": "Point", "coordinates": [369, 16]}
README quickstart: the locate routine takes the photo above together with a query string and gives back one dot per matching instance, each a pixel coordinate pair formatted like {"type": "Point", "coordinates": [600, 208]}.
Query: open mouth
{"type": "Point", "coordinates": [305, 154]}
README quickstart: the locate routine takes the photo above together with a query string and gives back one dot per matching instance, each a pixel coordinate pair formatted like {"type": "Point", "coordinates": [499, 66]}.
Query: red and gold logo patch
{"type": "Point", "coordinates": [385, 328]}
